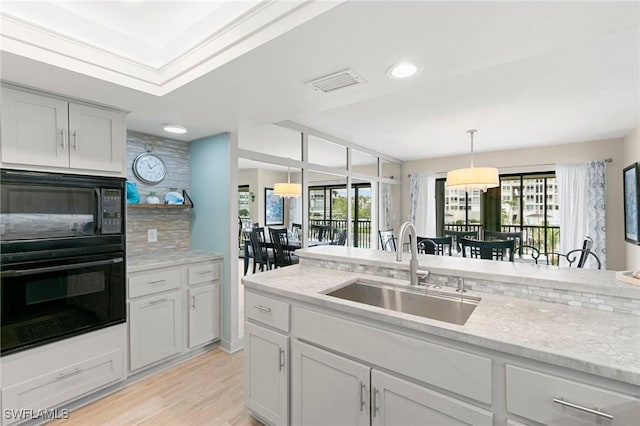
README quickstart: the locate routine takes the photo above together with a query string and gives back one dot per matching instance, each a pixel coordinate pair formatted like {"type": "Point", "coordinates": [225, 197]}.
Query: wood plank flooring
{"type": "Point", "coordinates": [206, 390]}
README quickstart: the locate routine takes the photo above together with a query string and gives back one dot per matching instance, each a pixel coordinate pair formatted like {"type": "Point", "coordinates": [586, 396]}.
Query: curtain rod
{"type": "Point", "coordinates": [606, 160]}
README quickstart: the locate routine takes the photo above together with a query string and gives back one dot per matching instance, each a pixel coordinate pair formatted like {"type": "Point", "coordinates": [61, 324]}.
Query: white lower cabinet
{"type": "Point", "coordinates": [554, 400]}
{"type": "Point", "coordinates": [48, 376]}
{"type": "Point", "coordinates": [266, 369]}
{"type": "Point", "coordinates": [329, 389]}
{"type": "Point", "coordinates": [395, 401]}
{"type": "Point", "coordinates": [204, 325]}
{"type": "Point", "coordinates": [155, 327]}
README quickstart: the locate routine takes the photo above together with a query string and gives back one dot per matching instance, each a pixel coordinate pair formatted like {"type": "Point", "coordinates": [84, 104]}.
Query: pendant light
{"type": "Point", "coordinates": [473, 178]}
{"type": "Point", "coordinates": [287, 189]}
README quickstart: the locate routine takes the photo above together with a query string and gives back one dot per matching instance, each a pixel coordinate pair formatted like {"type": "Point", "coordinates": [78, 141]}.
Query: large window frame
{"type": "Point", "coordinates": [547, 236]}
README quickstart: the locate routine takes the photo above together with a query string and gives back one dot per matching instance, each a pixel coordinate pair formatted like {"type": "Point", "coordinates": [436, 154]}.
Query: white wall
{"type": "Point", "coordinates": [631, 155]}
{"type": "Point", "coordinates": [529, 160]}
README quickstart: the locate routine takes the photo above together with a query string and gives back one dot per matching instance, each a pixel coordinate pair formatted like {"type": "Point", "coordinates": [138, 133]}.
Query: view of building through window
{"type": "Point", "coordinates": [528, 204]}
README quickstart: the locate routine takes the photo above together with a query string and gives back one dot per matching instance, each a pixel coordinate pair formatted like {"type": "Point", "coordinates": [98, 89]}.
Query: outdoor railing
{"type": "Point", "coordinates": [545, 238]}
{"type": "Point", "coordinates": [361, 230]}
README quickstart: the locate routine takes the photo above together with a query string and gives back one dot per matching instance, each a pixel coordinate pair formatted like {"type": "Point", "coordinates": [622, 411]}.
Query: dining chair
{"type": "Point", "coordinates": [387, 240]}
{"type": "Point", "coordinates": [262, 259]}
{"type": "Point", "coordinates": [339, 237]}
{"type": "Point", "coordinates": [435, 245]}
{"type": "Point", "coordinates": [496, 235]}
{"type": "Point", "coordinates": [280, 244]}
{"type": "Point", "coordinates": [490, 250]}
{"type": "Point", "coordinates": [526, 249]}
{"type": "Point", "coordinates": [457, 235]}
{"type": "Point", "coordinates": [579, 256]}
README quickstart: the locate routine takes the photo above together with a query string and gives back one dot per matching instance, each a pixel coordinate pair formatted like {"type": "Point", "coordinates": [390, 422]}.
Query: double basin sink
{"type": "Point", "coordinates": [441, 306]}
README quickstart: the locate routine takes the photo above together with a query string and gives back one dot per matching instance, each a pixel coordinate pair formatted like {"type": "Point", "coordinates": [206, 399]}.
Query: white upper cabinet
{"type": "Point", "coordinates": [49, 134]}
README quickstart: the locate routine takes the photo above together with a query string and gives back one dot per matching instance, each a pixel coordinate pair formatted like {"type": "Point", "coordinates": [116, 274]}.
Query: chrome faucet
{"type": "Point", "coordinates": [413, 263]}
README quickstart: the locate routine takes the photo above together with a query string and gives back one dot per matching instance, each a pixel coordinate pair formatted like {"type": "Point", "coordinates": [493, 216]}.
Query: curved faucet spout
{"type": "Point", "coordinates": [413, 263]}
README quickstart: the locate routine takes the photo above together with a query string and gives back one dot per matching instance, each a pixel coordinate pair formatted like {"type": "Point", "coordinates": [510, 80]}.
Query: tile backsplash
{"type": "Point", "coordinates": [172, 225]}
{"type": "Point", "coordinates": [566, 297]}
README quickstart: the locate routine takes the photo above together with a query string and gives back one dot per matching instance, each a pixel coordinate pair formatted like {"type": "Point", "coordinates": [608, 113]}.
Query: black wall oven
{"type": "Point", "coordinates": [62, 256]}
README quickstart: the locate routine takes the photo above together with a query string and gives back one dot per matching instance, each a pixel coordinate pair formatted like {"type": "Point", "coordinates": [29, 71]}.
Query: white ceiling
{"type": "Point", "coordinates": [524, 74]}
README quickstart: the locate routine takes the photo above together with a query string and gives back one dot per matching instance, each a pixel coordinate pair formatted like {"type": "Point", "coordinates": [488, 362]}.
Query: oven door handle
{"type": "Point", "coordinates": [23, 272]}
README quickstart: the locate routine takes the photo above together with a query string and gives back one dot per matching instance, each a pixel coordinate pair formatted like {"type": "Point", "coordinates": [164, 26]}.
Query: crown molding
{"type": "Point", "coordinates": [255, 27]}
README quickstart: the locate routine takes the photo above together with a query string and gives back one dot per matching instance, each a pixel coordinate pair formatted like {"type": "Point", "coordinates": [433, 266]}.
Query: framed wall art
{"type": "Point", "coordinates": [273, 208]}
{"type": "Point", "coordinates": [631, 200]}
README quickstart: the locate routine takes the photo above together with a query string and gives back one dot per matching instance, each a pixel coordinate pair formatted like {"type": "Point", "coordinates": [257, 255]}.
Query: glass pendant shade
{"type": "Point", "coordinates": [473, 178]}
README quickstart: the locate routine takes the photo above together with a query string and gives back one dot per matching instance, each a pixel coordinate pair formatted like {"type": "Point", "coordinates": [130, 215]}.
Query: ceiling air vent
{"type": "Point", "coordinates": [336, 81]}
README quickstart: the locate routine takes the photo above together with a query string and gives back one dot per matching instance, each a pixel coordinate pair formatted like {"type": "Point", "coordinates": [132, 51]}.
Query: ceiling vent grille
{"type": "Point", "coordinates": [336, 81]}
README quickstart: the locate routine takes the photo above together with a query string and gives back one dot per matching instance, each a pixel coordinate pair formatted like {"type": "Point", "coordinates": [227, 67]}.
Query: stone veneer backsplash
{"type": "Point", "coordinates": [173, 225]}
{"type": "Point", "coordinates": [566, 297]}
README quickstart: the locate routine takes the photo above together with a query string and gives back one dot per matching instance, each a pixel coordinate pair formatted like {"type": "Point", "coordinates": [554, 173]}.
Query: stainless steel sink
{"type": "Point", "coordinates": [436, 305]}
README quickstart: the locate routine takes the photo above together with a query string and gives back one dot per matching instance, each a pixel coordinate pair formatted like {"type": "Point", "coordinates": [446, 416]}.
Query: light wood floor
{"type": "Point", "coordinates": [206, 390]}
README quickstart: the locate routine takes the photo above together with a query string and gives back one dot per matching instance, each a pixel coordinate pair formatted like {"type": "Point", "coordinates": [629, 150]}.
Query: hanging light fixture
{"type": "Point", "coordinates": [473, 178]}
{"type": "Point", "coordinates": [287, 189]}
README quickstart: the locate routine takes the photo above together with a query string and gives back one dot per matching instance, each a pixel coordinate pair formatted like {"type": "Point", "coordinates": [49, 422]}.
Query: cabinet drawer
{"type": "Point", "coordinates": [154, 282]}
{"type": "Point", "coordinates": [267, 311]}
{"type": "Point", "coordinates": [59, 386]}
{"type": "Point", "coordinates": [203, 273]}
{"type": "Point", "coordinates": [448, 368]}
{"type": "Point", "coordinates": [552, 400]}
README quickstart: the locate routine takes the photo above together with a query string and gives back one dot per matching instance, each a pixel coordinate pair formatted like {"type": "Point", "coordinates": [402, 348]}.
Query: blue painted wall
{"type": "Point", "coordinates": [210, 216]}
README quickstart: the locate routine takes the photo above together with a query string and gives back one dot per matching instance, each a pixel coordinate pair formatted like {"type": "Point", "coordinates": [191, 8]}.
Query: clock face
{"type": "Point", "coordinates": [149, 168]}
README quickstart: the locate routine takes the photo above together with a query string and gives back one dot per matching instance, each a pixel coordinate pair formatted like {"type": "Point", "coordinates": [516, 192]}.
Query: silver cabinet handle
{"type": "Point", "coordinates": [561, 401]}
{"type": "Point", "coordinates": [362, 401]}
{"type": "Point", "coordinates": [205, 272]}
{"type": "Point", "coordinates": [69, 373]}
{"type": "Point", "coordinates": [155, 302]}
{"type": "Point", "coordinates": [75, 140]}
{"type": "Point", "coordinates": [281, 360]}
{"type": "Point", "coordinates": [374, 402]}
{"type": "Point", "coordinates": [64, 146]}
{"type": "Point", "coordinates": [262, 308]}
{"type": "Point", "coordinates": [193, 302]}
{"type": "Point", "coordinates": [156, 281]}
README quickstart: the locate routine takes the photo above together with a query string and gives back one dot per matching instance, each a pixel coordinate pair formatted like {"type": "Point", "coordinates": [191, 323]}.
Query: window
{"type": "Point", "coordinates": [328, 206]}
{"type": "Point", "coordinates": [526, 203]}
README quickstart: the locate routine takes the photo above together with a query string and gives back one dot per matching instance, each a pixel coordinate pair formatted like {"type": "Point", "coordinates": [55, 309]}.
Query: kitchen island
{"type": "Point", "coordinates": [515, 360]}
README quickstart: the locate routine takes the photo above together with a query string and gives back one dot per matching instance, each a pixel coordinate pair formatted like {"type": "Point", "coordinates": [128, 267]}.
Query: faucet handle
{"type": "Point", "coordinates": [423, 275]}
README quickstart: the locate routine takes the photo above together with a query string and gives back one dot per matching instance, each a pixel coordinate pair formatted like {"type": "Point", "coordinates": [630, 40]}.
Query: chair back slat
{"type": "Point", "coordinates": [457, 235]}
{"type": "Point", "coordinates": [490, 250]}
{"type": "Point", "coordinates": [435, 245]}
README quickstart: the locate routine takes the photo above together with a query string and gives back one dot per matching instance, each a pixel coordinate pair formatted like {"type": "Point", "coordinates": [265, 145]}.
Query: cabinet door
{"type": "Point", "coordinates": [203, 315]}
{"type": "Point", "coordinates": [266, 369]}
{"type": "Point", "coordinates": [34, 129]}
{"type": "Point", "coordinates": [96, 138]}
{"type": "Point", "coordinates": [397, 402]}
{"type": "Point", "coordinates": [154, 328]}
{"type": "Point", "coordinates": [328, 389]}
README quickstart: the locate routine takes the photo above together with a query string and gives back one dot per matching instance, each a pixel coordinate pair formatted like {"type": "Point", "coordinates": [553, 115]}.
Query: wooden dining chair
{"type": "Point", "coordinates": [280, 244]}
{"type": "Point", "coordinates": [262, 259]}
{"type": "Point", "coordinates": [435, 245]}
{"type": "Point", "coordinates": [457, 235]}
{"type": "Point", "coordinates": [490, 250]}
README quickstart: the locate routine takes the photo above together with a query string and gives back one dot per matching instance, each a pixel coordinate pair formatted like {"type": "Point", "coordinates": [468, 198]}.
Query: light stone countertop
{"type": "Point", "coordinates": [605, 344]}
{"type": "Point", "coordinates": [161, 259]}
{"type": "Point", "coordinates": [586, 280]}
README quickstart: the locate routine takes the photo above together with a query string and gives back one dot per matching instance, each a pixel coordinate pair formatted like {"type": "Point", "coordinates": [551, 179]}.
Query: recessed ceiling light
{"type": "Point", "coordinates": [402, 70]}
{"type": "Point", "coordinates": [175, 128]}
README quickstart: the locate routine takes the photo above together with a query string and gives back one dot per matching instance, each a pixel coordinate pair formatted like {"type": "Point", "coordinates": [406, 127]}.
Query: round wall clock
{"type": "Point", "coordinates": [149, 168]}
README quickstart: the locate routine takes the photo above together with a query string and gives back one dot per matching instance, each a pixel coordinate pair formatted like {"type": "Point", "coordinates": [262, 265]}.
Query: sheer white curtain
{"type": "Point", "coordinates": [582, 193]}
{"type": "Point", "coordinates": [386, 206]}
{"type": "Point", "coordinates": [423, 204]}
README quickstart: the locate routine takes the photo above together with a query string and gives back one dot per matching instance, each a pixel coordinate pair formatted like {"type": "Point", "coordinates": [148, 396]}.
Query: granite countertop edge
{"type": "Point", "coordinates": [162, 259]}
{"type": "Point", "coordinates": [626, 369]}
